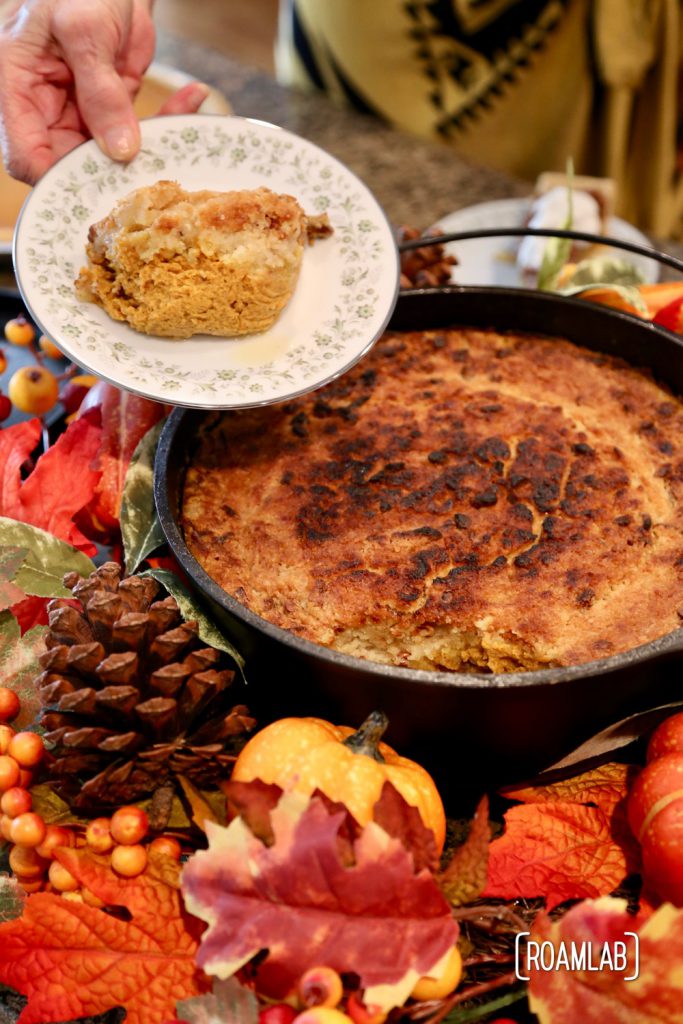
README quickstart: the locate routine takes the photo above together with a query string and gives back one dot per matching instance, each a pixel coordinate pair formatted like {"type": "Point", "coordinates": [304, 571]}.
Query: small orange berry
{"type": "Point", "coordinates": [9, 772]}
{"type": "Point", "coordinates": [9, 704]}
{"type": "Point", "coordinates": [320, 986]}
{"type": "Point", "coordinates": [166, 845]}
{"type": "Point", "coordinates": [24, 861]}
{"type": "Point", "coordinates": [33, 389]}
{"type": "Point", "coordinates": [5, 825]}
{"type": "Point", "coordinates": [129, 825]}
{"type": "Point", "coordinates": [61, 879]}
{"type": "Point", "coordinates": [19, 331]}
{"type": "Point", "coordinates": [15, 801]}
{"type": "Point", "coordinates": [362, 1014]}
{"type": "Point", "coordinates": [30, 885]}
{"type": "Point", "coordinates": [48, 346]}
{"type": "Point", "coordinates": [97, 835]}
{"type": "Point", "coordinates": [73, 395]}
{"type": "Point", "coordinates": [129, 860]}
{"type": "Point", "coordinates": [91, 899]}
{"type": "Point", "coordinates": [75, 897]}
{"type": "Point", "coordinates": [55, 835]}
{"type": "Point", "coordinates": [6, 734]}
{"type": "Point", "coordinates": [3, 361]}
{"type": "Point", "coordinates": [321, 1015]}
{"type": "Point", "coordinates": [28, 829]}
{"type": "Point", "coordinates": [27, 749]}
{"type": "Point", "coordinates": [429, 987]}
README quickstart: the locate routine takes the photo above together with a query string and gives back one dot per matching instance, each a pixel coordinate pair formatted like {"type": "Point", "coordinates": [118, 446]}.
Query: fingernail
{"type": "Point", "coordinates": [119, 143]}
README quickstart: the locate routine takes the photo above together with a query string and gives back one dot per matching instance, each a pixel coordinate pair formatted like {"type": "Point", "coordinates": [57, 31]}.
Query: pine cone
{"type": "Point", "coordinates": [131, 696]}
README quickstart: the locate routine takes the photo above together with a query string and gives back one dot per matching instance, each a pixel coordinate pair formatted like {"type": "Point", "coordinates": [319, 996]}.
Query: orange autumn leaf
{"type": "Point", "coordinates": [558, 850]}
{"type": "Point", "coordinates": [73, 960]}
{"type": "Point", "coordinates": [464, 877]}
{"type": "Point", "coordinates": [606, 996]}
{"type": "Point", "coordinates": [605, 786]}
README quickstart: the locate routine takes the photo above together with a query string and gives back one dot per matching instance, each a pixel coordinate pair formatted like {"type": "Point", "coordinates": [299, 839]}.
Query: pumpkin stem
{"type": "Point", "coordinates": [366, 739]}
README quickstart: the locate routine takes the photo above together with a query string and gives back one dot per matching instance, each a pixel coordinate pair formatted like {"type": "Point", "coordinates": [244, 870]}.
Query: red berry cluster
{"type": "Point", "coordinates": [122, 835]}
{"type": "Point", "coordinates": [20, 754]}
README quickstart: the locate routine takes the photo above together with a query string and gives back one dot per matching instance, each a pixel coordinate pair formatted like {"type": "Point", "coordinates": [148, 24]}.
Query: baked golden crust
{"type": "Point", "coordinates": [176, 263]}
{"type": "Point", "coordinates": [461, 500]}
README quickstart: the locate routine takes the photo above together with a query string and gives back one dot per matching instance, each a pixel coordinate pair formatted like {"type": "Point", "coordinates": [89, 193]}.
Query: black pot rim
{"type": "Point", "coordinates": [668, 644]}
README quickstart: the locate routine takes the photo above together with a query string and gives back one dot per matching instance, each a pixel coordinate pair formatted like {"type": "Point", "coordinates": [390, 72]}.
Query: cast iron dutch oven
{"type": "Point", "coordinates": [499, 726]}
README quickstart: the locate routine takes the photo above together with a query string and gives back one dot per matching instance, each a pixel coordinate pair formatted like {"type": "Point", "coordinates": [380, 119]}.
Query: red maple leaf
{"type": "Point", "coordinates": [61, 484]}
{"type": "Point", "coordinates": [16, 444]}
{"type": "Point", "coordinates": [300, 899]}
{"type": "Point", "coordinates": [30, 612]}
{"type": "Point", "coordinates": [559, 850]}
{"type": "Point", "coordinates": [126, 418]}
{"type": "Point", "coordinates": [565, 996]}
{"type": "Point", "coordinates": [73, 960]}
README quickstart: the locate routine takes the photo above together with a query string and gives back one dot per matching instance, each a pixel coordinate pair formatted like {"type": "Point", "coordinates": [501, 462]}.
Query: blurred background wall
{"type": "Point", "coordinates": [244, 29]}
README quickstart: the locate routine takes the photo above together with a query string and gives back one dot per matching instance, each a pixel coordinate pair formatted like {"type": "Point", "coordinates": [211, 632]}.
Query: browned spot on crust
{"type": "Point", "coordinates": [490, 502]}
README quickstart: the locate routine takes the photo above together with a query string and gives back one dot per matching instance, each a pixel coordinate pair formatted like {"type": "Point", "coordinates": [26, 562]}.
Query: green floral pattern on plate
{"type": "Point", "coordinates": [336, 321]}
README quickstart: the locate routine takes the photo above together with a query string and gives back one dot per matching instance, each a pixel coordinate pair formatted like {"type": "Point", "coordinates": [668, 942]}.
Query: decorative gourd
{"type": "Point", "coordinates": [655, 811]}
{"type": "Point", "coordinates": [350, 767]}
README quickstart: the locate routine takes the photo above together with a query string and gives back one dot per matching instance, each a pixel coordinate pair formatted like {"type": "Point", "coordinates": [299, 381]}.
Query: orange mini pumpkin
{"type": "Point", "coordinates": [351, 767]}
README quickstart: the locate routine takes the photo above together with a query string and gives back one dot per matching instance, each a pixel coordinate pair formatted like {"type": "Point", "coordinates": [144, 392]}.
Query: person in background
{"type": "Point", "coordinates": [520, 85]}
{"type": "Point", "coordinates": [69, 70]}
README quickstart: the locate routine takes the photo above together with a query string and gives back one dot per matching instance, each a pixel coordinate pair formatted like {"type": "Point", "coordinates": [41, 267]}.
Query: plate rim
{"type": "Point", "coordinates": [165, 399]}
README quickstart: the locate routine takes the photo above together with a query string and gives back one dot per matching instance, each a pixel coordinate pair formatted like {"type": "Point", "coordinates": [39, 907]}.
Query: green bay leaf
{"type": "Point", "coordinates": [52, 809]}
{"type": "Point", "coordinates": [19, 665]}
{"type": "Point", "coordinates": [190, 608]}
{"type": "Point", "coordinates": [228, 1002]}
{"type": "Point", "coordinates": [12, 898]}
{"type": "Point", "coordinates": [180, 817]}
{"type": "Point", "coordinates": [11, 560]}
{"type": "Point", "coordinates": [47, 559]}
{"type": "Point", "coordinates": [470, 1014]}
{"type": "Point", "coordinates": [140, 527]}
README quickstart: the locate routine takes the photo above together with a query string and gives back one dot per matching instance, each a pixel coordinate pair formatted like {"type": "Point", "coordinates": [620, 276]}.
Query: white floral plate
{"type": "Point", "coordinates": [346, 291]}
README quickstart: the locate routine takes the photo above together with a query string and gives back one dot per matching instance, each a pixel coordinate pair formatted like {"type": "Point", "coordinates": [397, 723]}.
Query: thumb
{"type": "Point", "coordinates": [107, 110]}
{"type": "Point", "coordinates": [103, 101]}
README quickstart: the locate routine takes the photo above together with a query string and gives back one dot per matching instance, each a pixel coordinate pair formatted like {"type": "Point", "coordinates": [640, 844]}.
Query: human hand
{"type": "Point", "coordinates": [69, 70]}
